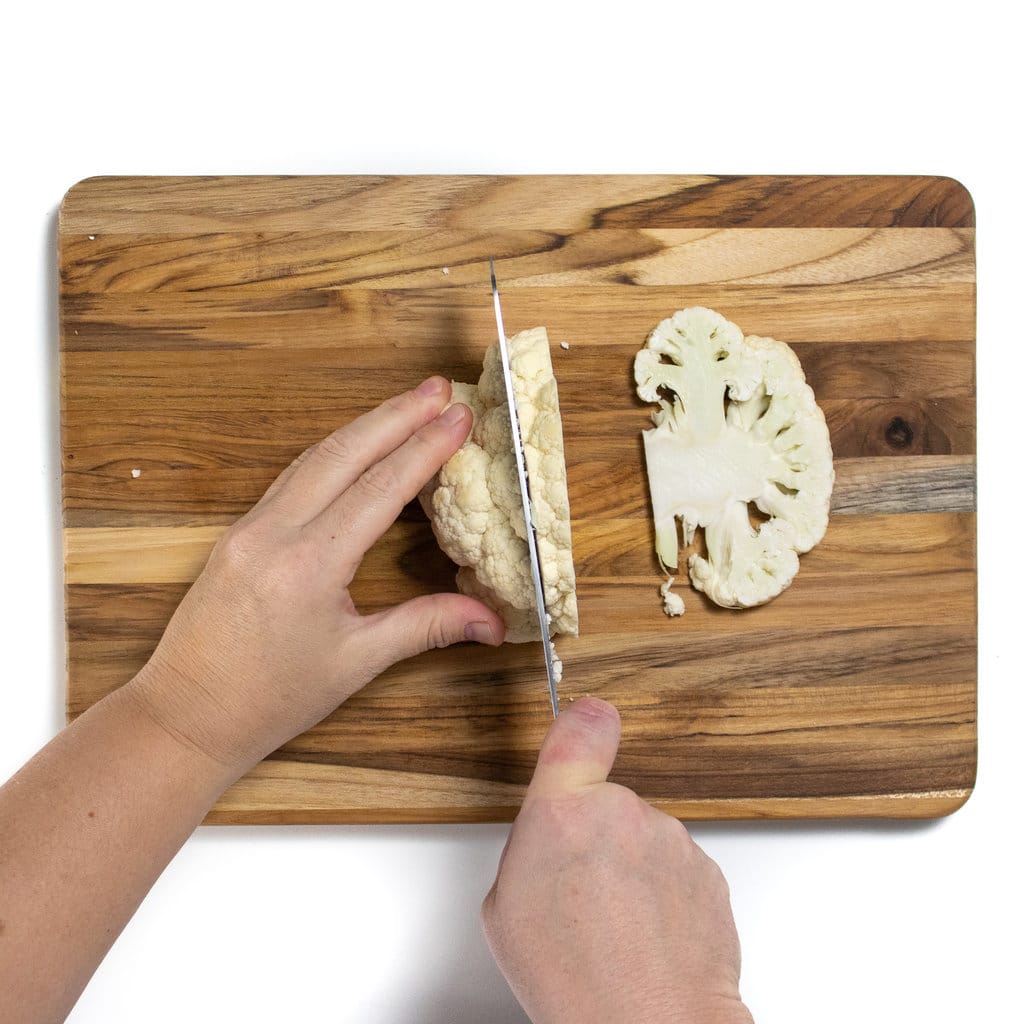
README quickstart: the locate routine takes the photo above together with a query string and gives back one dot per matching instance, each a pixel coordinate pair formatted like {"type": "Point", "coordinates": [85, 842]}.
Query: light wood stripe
{"type": "Point", "coordinates": [612, 548]}
{"type": "Point", "coordinates": [528, 259]}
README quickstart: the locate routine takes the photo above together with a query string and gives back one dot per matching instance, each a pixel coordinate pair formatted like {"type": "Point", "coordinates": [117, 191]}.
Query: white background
{"type": "Point", "coordinates": [840, 922]}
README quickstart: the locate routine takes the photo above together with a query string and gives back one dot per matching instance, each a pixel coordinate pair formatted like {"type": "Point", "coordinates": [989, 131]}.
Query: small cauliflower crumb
{"type": "Point", "coordinates": [136, 473]}
{"type": "Point", "coordinates": [565, 345]}
{"type": "Point", "coordinates": [671, 603]}
{"type": "Point", "coordinates": [445, 270]}
{"type": "Point", "coordinates": [556, 665]}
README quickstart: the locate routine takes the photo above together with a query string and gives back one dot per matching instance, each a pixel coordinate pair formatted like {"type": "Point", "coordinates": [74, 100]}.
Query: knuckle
{"type": "Point", "coordinates": [440, 633]}
{"type": "Point", "coordinates": [379, 482]}
{"type": "Point", "coordinates": [337, 447]}
{"type": "Point", "coordinates": [622, 800]}
{"type": "Point", "coordinates": [620, 810]}
{"type": "Point", "coordinates": [239, 547]}
{"type": "Point", "coordinates": [245, 554]}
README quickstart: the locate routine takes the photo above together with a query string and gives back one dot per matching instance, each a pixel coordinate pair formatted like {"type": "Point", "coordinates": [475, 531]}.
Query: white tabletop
{"type": "Point", "coordinates": [840, 922]}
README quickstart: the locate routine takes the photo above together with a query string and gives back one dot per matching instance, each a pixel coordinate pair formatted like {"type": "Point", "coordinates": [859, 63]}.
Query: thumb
{"type": "Point", "coordinates": [578, 751]}
{"type": "Point", "coordinates": [435, 620]}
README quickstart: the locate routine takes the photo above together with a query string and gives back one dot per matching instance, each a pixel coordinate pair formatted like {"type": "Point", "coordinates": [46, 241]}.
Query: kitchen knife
{"type": "Point", "coordinates": [524, 489]}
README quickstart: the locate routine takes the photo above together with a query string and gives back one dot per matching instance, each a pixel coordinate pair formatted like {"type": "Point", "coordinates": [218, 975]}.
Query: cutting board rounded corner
{"type": "Point", "coordinates": [71, 195]}
{"type": "Point", "coordinates": [956, 205]}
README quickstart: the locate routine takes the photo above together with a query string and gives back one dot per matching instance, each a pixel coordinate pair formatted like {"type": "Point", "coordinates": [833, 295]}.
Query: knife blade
{"type": "Point", "coordinates": [524, 491]}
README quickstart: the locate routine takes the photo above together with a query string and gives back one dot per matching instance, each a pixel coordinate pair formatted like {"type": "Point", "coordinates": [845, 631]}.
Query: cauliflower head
{"type": "Point", "coordinates": [474, 505]}
{"type": "Point", "coordinates": [736, 425]}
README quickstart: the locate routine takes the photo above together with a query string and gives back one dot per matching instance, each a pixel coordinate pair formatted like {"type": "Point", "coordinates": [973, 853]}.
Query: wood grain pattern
{"type": "Point", "coordinates": [212, 328]}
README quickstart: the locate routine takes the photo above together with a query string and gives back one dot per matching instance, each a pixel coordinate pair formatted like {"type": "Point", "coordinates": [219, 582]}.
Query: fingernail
{"type": "Point", "coordinates": [431, 386]}
{"type": "Point", "coordinates": [480, 633]}
{"type": "Point", "coordinates": [454, 415]}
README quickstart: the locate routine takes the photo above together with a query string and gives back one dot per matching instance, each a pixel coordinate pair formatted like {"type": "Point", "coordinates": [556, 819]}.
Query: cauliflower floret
{"type": "Point", "coordinates": [474, 503]}
{"type": "Point", "coordinates": [738, 426]}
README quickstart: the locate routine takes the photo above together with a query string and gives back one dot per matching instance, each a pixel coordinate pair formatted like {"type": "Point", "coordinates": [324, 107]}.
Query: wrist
{"type": "Point", "coordinates": [189, 720]}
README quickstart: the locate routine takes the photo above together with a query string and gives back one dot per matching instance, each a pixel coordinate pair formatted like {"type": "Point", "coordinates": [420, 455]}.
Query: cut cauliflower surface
{"type": "Point", "coordinates": [736, 424]}
{"type": "Point", "coordinates": [474, 505]}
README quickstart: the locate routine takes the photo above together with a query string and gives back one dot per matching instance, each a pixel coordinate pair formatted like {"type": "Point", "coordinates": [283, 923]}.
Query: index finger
{"type": "Point", "coordinates": [373, 502]}
{"type": "Point", "coordinates": [328, 468]}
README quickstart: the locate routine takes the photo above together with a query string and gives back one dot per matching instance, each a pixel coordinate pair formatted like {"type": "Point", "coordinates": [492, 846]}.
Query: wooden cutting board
{"type": "Point", "coordinates": [211, 328]}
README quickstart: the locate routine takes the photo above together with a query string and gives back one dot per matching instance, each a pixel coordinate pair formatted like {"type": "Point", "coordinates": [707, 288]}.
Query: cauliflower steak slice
{"type": "Point", "coordinates": [474, 505]}
{"type": "Point", "coordinates": [736, 424]}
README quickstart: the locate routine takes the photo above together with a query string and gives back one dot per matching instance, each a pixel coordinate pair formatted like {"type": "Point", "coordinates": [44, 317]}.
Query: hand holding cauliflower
{"type": "Point", "coordinates": [474, 504]}
{"type": "Point", "coordinates": [738, 426]}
